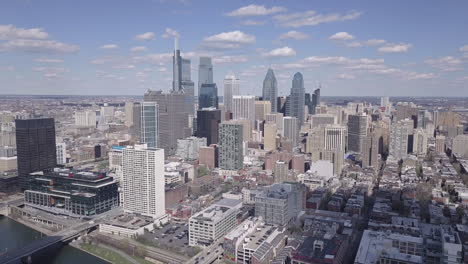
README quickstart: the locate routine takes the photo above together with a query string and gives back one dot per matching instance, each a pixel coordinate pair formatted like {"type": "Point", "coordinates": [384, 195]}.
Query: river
{"type": "Point", "coordinates": [14, 235]}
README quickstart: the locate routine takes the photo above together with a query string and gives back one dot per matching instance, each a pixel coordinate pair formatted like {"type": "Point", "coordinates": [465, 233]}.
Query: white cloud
{"type": "Point", "coordinates": [124, 66]}
{"type": "Point", "coordinates": [395, 48]}
{"type": "Point", "coordinates": [229, 40]}
{"type": "Point", "coordinates": [327, 60]}
{"type": "Point", "coordinates": [230, 59]}
{"type": "Point", "coordinates": [447, 63]}
{"type": "Point", "coordinates": [464, 48]}
{"type": "Point", "coordinates": [280, 52]}
{"type": "Point", "coordinates": [367, 43]}
{"type": "Point", "coordinates": [7, 68]}
{"type": "Point", "coordinates": [155, 58]}
{"type": "Point", "coordinates": [346, 76]}
{"type": "Point", "coordinates": [37, 45]}
{"type": "Point", "coordinates": [145, 36]}
{"type": "Point", "coordinates": [138, 49]}
{"type": "Point", "coordinates": [294, 35]}
{"type": "Point", "coordinates": [341, 36]}
{"type": "Point", "coordinates": [312, 18]}
{"type": "Point", "coordinates": [9, 32]}
{"type": "Point", "coordinates": [48, 60]}
{"type": "Point", "coordinates": [109, 46]}
{"type": "Point", "coordinates": [256, 10]}
{"type": "Point", "coordinates": [250, 22]}
{"type": "Point", "coordinates": [171, 33]}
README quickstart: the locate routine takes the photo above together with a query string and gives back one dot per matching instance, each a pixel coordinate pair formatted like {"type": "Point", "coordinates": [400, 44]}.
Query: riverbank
{"type": "Point", "coordinates": [111, 254]}
{"type": "Point", "coordinates": [32, 226]}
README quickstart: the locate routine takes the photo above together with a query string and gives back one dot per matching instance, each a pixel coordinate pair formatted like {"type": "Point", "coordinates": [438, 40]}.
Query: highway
{"type": "Point", "coordinates": [209, 254]}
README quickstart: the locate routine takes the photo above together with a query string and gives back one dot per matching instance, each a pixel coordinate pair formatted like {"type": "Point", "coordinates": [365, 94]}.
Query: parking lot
{"type": "Point", "coordinates": [173, 237]}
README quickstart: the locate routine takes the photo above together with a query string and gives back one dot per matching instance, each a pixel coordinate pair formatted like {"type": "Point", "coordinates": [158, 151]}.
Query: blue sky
{"type": "Point", "coordinates": [118, 47]}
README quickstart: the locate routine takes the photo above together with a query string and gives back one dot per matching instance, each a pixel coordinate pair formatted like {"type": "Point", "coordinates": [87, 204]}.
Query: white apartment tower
{"type": "Point", "coordinates": [143, 180]}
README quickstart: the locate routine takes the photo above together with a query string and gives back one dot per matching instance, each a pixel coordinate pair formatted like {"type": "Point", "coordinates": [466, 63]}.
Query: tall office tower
{"type": "Point", "coordinates": [187, 86]}
{"type": "Point", "coordinates": [440, 144]}
{"type": "Point", "coordinates": [61, 149]}
{"type": "Point", "coordinates": [173, 118]}
{"type": "Point", "coordinates": [205, 71]}
{"type": "Point", "coordinates": [282, 102]}
{"type": "Point", "coordinates": [149, 124]}
{"type": "Point", "coordinates": [370, 150]}
{"type": "Point", "coordinates": [85, 118]}
{"type": "Point", "coordinates": [143, 180]}
{"type": "Point", "coordinates": [270, 90]}
{"type": "Point", "coordinates": [422, 120]}
{"type": "Point", "coordinates": [136, 127]}
{"type": "Point", "coordinates": [107, 112]}
{"type": "Point", "coordinates": [446, 119]}
{"type": "Point", "coordinates": [384, 101]}
{"type": "Point", "coordinates": [176, 67]}
{"type": "Point", "coordinates": [296, 102]}
{"type": "Point", "coordinates": [322, 120]}
{"type": "Point", "coordinates": [269, 136]}
{"type": "Point", "coordinates": [420, 142]}
{"type": "Point", "coordinates": [405, 110]}
{"type": "Point", "coordinates": [231, 88]}
{"type": "Point", "coordinates": [262, 108]}
{"type": "Point", "coordinates": [357, 131]}
{"type": "Point", "coordinates": [208, 96]}
{"type": "Point", "coordinates": [280, 171]}
{"type": "Point", "coordinates": [208, 120]}
{"type": "Point", "coordinates": [35, 146]}
{"type": "Point", "coordinates": [243, 107]}
{"type": "Point", "coordinates": [334, 146]}
{"type": "Point", "coordinates": [308, 103]}
{"type": "Point", "coordinates": [399, 139]}
{"type": "Point", "coordinates": [291, 129]}
{"type": "Point", "coordinates": [315, 99]}
{"type": "Point", "coordinates": [231, 146]}
{"type": "Point", "coordinates": [129, 114]}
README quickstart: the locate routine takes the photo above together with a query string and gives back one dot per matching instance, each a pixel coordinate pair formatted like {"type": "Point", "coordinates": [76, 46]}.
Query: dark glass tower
{"type": "Point", "coordinates": [35, 143]}
{"type": "Point", "coordinates": [208, 96]}
{"type": "Point", "coordinates": [208, 120]}
{"type": "Point", "coordinates": [270, 90]}
{"type": "Point", "coordinates": [297, 98]}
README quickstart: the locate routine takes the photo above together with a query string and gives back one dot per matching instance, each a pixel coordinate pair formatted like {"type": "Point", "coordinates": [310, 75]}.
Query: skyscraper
{"type": "Point", "coordinates": [270, 90]}
{"type": "Point", "coordinates": [370, 150]}
{"type": "Point", "coordinates": [208, 120]}
{"type": "Point", "coordinates": [208, 96]}
{"type": "Point", "coordinates": [357, 131]}
{"type": "Point", "coordinates": [291, 129]}
{"type": "Point", "coordinates": [231, 88]}
{"type": "Point", "coordinates": [231, 146]}
{"type": "Point", "coordinates": [143, 180]}
{"type": "Point", "coordinates": [297, 98]}
{"type": "Point", "coordinates": [176, 67]}
{"type": "Point", "coordinates": [262, 108]}
{"type": "Point", "coordinates": [243, 107]}
{"type": "Point", "coordinates": [399, 138]}
{"type": "Point", "coordinates": [269, 136]}
{"type": "Point", "coordinates": [35, 146]}
{"type": "Point", "coordinates": [315, 99]}
{"type": "Point", "coordinates": [173, 118]}
{"type": "Point", "coordinates": [205, 71]}
{"type": "Point", "coordinates": [136, 127]}
{"type": "Point", "coordinates": [129, 114]}
{"type": "Point", "coordinates": [149, 124]}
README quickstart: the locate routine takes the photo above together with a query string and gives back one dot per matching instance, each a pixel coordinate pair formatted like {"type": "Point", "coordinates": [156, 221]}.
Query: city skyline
{"type": "Point", "coordinates": [350, 48]}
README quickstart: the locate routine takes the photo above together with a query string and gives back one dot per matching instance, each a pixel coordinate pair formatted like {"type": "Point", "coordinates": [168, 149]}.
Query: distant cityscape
{"type": "Point", "coordinates": [192, 175]}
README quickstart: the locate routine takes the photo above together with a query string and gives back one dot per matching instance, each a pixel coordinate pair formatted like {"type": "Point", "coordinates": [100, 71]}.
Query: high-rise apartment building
{"type": "Point", "coordinates": [85, 118]}
{"type": "Point", "coordinates": [149, 124]}
{"type": "Point", "coordinates": [269, 136]}
{"type": "Point", "coordinates": [36, 146]}
{"type": "Point", "coordinates": [370, 150]}
{"type": "Point", "coordinates": [61, 153]}
{"type": "Point", "coordinates": [357, 131]}
{"type": "Point", "coordinates": [231, 88]}
{"type": "Point", "coordinates": [440, 144]}
{"type": "Point", "coordinates": [420, 142]}
{"type": "Point", "coordinates": [460, 146]}
{"type": "Point", "coordinates": [270, 90]}
{"type": "Point", "coordinates": [136, 127]}
{"type": "Point", "coordinates": [208, 120]}
{"type": "Point", "coordinates": [231, 146]}
{"type": "Point", "coordinates": [129, 114]}
{"type": "Point", "coordinates": [399, 132]}
{"type": "Point", "coordinates": [243, 107]}
{"type": "Point", "coordinates": [143, 180]}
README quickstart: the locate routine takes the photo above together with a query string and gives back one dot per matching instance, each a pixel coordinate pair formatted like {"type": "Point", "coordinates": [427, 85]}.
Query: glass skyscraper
{"type": "Point", "coordinates": [149, 123]}
{"type": "Point", "coordinates": [270, 90]}
{"type": "Point", "coordinates": [208, 96]}
{"type": "Point", "coordinates": [297, 98]}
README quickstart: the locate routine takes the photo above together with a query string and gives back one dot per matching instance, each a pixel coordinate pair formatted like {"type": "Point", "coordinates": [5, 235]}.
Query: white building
{"type": "Point", "coordinates": [460, 146]}
{"type": "Point", "coordinates": [420, 142]}
{"type": "Point", "coordinates": [85, 118]}
{"type": "Point", "coordinates": [214, 222]}
{"type": "Point", "coordinates": [243, 107]}
{"type": "Point", "coordinates": [399, 138]}
{"type": "Point", "coordinates": [143, 180]}
{"type": "Point", "coordinates": [188, 148]}
{"type": "Point", "coordinates": [61, 149]}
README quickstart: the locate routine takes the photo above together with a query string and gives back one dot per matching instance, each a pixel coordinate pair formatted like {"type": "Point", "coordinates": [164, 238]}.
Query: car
{"type": "Point", "coordinates": [170, 240]}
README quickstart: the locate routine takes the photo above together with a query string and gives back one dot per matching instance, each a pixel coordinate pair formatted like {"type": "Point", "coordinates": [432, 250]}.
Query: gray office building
{"type": "Point", "coordinates": [280, 203]}
{"type": "Point", "coordinates": [208, 96]}
{"type": "Point", "coordinates": [205, 71]}
{"type": "Point", "coordinates": [357, 132]}
{"type": "Point", "coordinates": [231, 156]}
{"type": "Point", "coordinates": [270, 90]}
